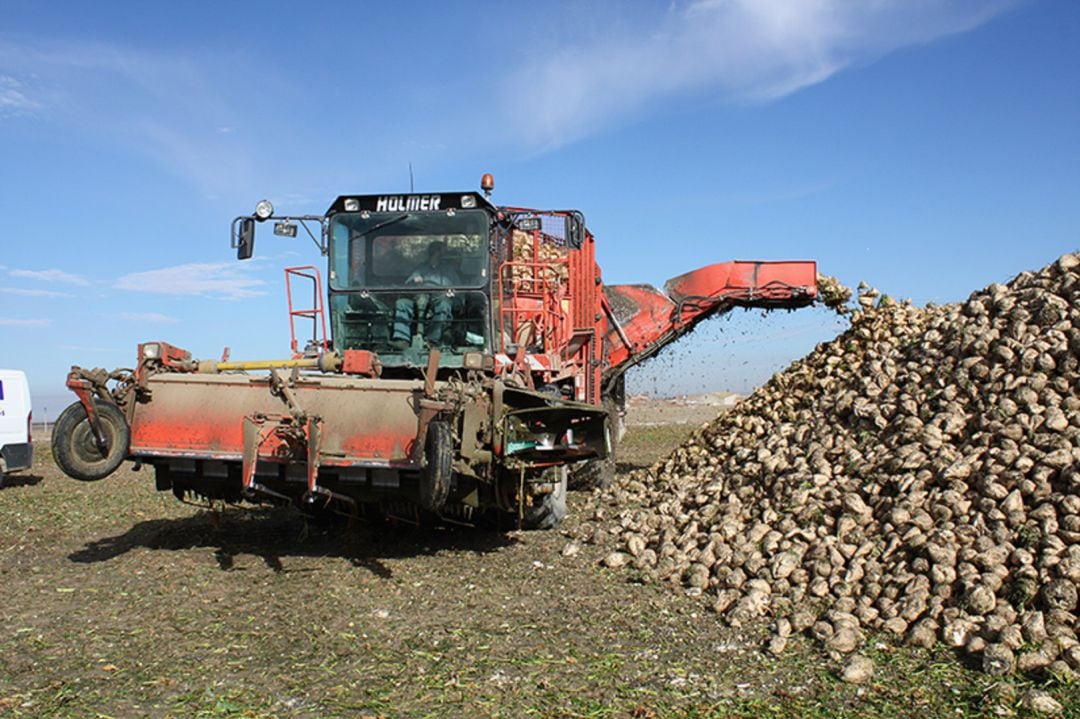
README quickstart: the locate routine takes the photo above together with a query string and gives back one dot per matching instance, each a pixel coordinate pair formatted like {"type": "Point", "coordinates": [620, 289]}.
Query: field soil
{"type": "Point", "coordinates": [119, 601]}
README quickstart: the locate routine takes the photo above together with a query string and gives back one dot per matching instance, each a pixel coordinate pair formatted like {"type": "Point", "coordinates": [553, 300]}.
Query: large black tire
{"type": "Point", "coordinates": [601, 472]}
{"type": "Point", "coordinates": [548, 510]}
{"type": "Point", "coordinates": [594, 473]}
{"type": "Point", "coordinates": [74, 448]}
{"type": "Point", "coordinates": [438, 466]}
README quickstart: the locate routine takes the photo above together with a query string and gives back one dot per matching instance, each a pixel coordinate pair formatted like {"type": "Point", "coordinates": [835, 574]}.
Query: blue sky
{"type": "Point", "coordinates": [929, 147]}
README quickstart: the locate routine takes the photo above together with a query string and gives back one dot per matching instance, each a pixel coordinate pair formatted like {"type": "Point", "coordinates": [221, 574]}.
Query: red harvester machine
{"type": "Point", "coordinates": [474, 366]}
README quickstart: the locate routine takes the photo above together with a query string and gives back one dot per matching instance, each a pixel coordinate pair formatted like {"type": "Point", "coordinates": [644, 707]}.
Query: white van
{"type": "Point", "coordinates": [16, 451]}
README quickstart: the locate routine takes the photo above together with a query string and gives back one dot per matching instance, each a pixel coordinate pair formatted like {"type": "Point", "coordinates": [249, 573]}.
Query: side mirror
{"type": "Point", "coordinates": [245, 245]}
{"type": "Point", "coordinates": [575, 229]}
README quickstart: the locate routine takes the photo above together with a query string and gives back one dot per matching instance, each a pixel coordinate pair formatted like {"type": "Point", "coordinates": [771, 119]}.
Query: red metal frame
{"type": "Point", "coordinates": [558, 300]}
{"type": "Point", "coordinates": [536, 310]}
{"type": "Point", "coordinates": [317, 313]}
{"type": "Point", "coordinates": [588, 319]}
{"type": "Point", "coordinates": [575, 327]}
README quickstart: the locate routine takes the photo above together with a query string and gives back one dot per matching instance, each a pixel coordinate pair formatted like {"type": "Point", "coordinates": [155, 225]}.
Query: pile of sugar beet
{"type": "Point", "coordinates": [917, 476]}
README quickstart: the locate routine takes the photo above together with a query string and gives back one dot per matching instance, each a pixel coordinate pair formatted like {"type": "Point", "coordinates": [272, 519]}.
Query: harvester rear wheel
{"type": "Point", "coordinates": [74, 448]}
{"type": "Point", "coordinates": [594, 473]}
{"type": "Point", "coordinates": [599, 472]}
{"type": "Point", "coordinates": [548, 510]}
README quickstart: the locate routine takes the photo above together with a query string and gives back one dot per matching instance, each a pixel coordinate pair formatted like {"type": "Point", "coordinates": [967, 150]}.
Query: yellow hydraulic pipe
{"type": "Point", "coordinates": [267, 364]}
{"type": "Point", "coordinates": [328, 363]}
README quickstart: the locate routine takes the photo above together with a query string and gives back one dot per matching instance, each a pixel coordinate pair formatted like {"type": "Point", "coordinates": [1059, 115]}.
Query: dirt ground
{"type": "Point", "coordinates": [118, 601]}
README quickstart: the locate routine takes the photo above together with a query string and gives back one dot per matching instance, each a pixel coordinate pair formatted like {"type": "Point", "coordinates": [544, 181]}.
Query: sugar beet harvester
{"type": "Point", "coordinates": [474, 366]}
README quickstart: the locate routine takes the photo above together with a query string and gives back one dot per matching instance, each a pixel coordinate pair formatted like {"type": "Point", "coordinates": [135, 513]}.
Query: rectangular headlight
{"type": "Point", "coordinates": [284, 229]}
{"type": "Point", "coordinates": [473, 360]}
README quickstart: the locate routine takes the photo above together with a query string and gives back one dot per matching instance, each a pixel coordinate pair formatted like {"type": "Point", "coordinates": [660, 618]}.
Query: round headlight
{"type": "Point", "coordinates": [264, 210]}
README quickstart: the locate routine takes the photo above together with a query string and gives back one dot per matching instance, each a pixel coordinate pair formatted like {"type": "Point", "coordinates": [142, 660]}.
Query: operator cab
{"type": "Point", "coordinates": [413, 272]}
{"type": "Point", "coordinates": [409, 273]}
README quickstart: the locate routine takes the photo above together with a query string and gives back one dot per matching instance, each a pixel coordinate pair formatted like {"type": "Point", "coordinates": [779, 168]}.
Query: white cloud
{"type": "Point", "coordinates": [168, 106]}
{"type": "Point", "coordinates": [226, 280]}
{"type": "Point", "coordinates": [23, 292]}
{"type": "Point", "coordinates": [149, 318]}
{"type": "Point", "coordinates": [596, 66]}
{"type": "Point", "coordinates": [4, 322]}
{"type": "Point", "coordinates": [734, 50]}
{"type": "Point", "coordinates": [13, 97]}
{"type": "Point", "coordinates": [51, 275]}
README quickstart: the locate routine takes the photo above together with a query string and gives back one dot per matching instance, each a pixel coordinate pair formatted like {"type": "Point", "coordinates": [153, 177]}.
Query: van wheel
{"type": "Point", "coordinates": [75, 450]}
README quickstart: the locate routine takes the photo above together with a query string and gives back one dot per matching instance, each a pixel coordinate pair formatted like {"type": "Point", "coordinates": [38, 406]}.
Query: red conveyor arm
{"type": "Point", "coordinates": [642, 320]}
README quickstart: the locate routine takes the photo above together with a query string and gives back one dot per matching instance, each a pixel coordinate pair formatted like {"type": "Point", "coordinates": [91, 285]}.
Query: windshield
{"type": "Point", "coordinates": [402, 326]}
{"type": "Point", "coordinates": [403, 283]}
{"type": "Point", "coordinates": [385, 250]}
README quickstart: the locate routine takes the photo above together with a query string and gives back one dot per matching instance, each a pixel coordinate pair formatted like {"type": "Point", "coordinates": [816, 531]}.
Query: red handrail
{"type": "Point", "coordinates": [316, 313]}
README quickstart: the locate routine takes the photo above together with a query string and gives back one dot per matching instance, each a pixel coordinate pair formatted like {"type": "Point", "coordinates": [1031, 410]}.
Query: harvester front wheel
{"type": "Point", "coordinates": [438, 466]}
{"type": "Point", "coordinates": [76, 451]}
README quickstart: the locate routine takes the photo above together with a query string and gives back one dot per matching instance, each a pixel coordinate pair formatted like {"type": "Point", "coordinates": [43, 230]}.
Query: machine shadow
{"type": "Point", "coordinates": [277, 533]}
{"type": "Point", "coordinates": [12, 481]}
